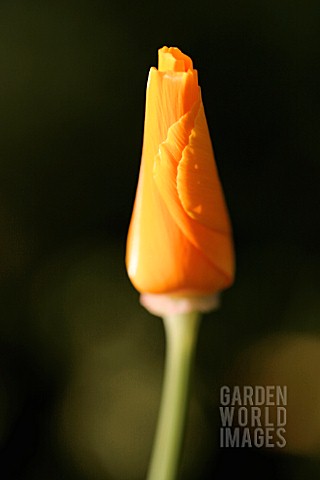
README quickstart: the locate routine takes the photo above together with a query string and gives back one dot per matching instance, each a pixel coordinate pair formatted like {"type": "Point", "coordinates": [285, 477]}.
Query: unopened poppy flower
{"type": "Point", "coordinates": [179, 240]}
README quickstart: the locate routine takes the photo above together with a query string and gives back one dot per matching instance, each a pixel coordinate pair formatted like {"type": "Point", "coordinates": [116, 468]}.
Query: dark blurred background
{"type": "Point", "coordinates": [80, 361]}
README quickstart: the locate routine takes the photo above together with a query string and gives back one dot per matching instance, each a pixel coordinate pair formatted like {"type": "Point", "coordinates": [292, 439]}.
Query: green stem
{"type": "Point", "coordinates": [181, 335]}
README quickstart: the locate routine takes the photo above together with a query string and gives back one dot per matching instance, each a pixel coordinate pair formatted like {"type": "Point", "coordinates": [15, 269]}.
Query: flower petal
{"type": "Point", "coordinates": [208, 231]}
{"type": "Point", "coordinates": [172, 59]}
{"type": "Point", "coordinates": [198, 182]}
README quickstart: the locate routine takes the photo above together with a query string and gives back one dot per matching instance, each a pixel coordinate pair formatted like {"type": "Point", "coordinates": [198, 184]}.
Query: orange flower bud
{"type": "Point", "coordinates": [179, 240]}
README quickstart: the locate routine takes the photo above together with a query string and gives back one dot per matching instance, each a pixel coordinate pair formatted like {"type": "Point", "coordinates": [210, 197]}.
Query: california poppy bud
{"type": "Point", "coordinates": [180, 240]}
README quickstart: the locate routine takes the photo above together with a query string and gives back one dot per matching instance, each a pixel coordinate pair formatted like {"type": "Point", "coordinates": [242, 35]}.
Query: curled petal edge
{"type": "Point", "coordinates": [213, 243]}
